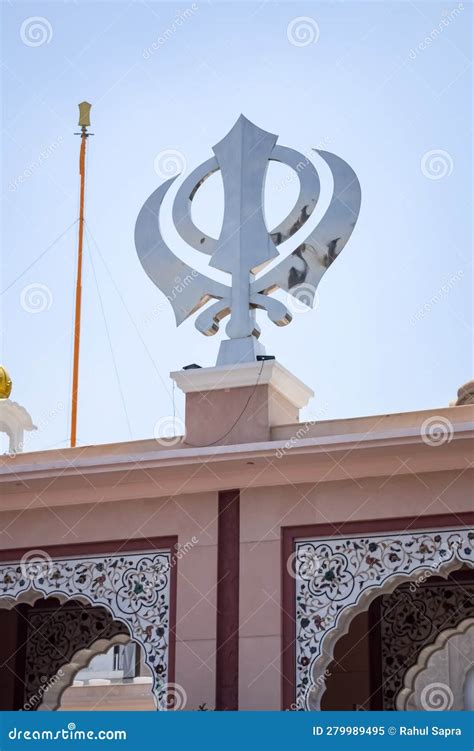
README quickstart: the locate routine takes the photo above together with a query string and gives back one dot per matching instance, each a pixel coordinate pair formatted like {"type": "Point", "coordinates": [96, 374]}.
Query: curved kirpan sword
{"type": "Point", "coordinates": [249, 149]}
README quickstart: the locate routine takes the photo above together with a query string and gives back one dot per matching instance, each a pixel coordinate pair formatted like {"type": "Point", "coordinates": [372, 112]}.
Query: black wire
{"type": "Point", "coordinates": [218, 440]}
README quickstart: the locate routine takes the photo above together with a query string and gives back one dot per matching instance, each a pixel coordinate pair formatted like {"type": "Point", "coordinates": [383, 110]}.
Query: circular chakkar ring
{"type": "Point", "coordinates": [307, 198]}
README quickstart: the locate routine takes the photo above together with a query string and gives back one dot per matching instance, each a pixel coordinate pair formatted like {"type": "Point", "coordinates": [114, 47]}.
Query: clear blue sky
{"type": "Point", "coordinates": [380, 84]}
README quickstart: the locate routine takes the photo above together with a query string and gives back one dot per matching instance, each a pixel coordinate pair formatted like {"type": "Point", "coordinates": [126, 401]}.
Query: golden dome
{"type": "Point", "coordinates": [5, 383]}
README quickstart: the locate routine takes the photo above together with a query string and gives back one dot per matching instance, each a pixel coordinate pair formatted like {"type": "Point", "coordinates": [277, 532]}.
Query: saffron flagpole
{"type": "Point", "coordinates": [84, 122]}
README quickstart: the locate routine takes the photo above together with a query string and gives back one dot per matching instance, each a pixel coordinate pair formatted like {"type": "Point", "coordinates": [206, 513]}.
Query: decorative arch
{"type": "Point", "coordinates": [133, 587]}
{"type": "Point", "coordinates": [65, 676]}
{"type": "Point", "coordinates": [54, 633]}
{"type": "Point", "coordinates": [338, 577]}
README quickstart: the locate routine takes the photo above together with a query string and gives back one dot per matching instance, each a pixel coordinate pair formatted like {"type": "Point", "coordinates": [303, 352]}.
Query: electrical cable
{"type": "Point", "coordinates": [109, 339]}
{"type": "Point", "coordinates": [39, 257]}
{"type": "Point", "coordinates": [221, 438]}
{"type": "Point", "coordinates": [127, 310]}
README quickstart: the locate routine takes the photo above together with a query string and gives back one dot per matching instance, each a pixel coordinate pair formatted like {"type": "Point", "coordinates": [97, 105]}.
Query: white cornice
{"type": "Point", "coordinates": [63, 465]}
{"type": "Point", "coordinates": [268, 372]}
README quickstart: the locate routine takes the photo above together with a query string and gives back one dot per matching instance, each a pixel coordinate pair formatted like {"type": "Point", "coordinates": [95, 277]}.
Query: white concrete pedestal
{"type": "Point", "coordinates": [239, 403]}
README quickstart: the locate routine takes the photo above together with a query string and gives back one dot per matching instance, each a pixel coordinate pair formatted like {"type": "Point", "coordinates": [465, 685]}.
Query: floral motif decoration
{"type": "Point", "coordinates": [134, 588]}
{"type": "Point", "coordinates": [343, 569]}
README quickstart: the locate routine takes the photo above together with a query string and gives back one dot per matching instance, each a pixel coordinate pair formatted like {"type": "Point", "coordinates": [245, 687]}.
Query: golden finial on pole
{"type": "Point", "coordinates": [84, 114]}
{"type": "Point", "coordinates": [84, 122]}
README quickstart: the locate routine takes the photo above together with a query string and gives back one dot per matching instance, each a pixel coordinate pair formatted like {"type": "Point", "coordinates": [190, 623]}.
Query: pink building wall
{"type": "Point", "coordinates": [358, 470]}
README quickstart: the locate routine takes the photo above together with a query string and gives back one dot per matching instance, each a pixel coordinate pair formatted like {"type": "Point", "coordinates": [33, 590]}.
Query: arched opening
{"type": "Point", "coordinates": [131, 591]}
{"type": "Point", "coordinates": [114, 678]}
{"type": "Point", "coordinates": [384, 641]}
{"type": "Point", "coordinates": [45, 647]}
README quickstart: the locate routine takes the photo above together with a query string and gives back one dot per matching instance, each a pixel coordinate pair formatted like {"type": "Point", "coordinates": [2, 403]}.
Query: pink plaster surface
{"type": "Point", "coordinates": [196, 607]}
{"type": "Point", "coordinates": [195, 671]}
{"type": "Point", "coordinates": [126, 697]}
{"type": "Point", "coordinates": [259, 673]}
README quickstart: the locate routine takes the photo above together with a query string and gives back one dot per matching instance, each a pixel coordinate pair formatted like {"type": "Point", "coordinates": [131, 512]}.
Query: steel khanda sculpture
{"type": "Point", "coordinates": [245, 245]}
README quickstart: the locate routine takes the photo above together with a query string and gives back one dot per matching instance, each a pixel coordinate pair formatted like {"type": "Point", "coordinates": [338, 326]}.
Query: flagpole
{"type": "Point", "coordinates": [84, 122]}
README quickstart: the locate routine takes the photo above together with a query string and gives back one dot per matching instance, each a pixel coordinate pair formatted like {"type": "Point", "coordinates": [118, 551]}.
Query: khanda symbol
{"type": "Point", "coordinates": [245, 245]}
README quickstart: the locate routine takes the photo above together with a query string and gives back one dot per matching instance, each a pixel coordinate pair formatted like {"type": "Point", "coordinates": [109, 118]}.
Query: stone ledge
{"type": "Point", "coordinates": [265, 373]}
